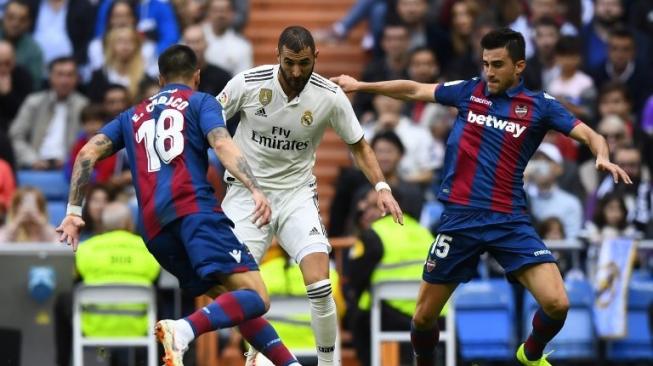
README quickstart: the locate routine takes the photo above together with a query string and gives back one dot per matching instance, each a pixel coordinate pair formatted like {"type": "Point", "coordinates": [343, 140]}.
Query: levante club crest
{"type": "Point", "coordinates": [521, 110]}
{"type": "Point", "coordinates": [265, 96]}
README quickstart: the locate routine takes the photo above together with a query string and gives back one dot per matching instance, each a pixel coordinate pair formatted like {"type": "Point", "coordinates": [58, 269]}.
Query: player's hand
{"type": "Point", "coordinates": [262, 212]}
{"type": "Point", "coordinates": [346, 82]}
{"type": "Point", "coordinates": [614, 169]}
{"type": "Point", "coordinates": [387, 203]}
{"type": "Point", "coordinates": [69, 230]}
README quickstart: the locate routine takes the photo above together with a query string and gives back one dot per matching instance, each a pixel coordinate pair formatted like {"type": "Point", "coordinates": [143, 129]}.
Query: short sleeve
{"type": "Point", "coordinates": [449, 93]}
{"type": "Point", "coordinates": [344, 121]}
{"type": "Point", "coordinates": [558, 117]}
{"type": "Point", "coordinates": [113, 130]}
{"type": "Point", "coordinates": [231, 97]}
{"type": "Point", "coordinates": [211, 115]}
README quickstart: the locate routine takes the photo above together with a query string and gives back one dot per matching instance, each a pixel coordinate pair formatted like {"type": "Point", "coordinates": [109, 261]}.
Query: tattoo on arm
{"type": "Point", "coordinates": [217, 134]}
{"type": "Point", "coordinates": [244, 172]}
{"type": "Point", "coordinates": [247, 172]}
{"type": "Point", "coordinates": [99, 147]}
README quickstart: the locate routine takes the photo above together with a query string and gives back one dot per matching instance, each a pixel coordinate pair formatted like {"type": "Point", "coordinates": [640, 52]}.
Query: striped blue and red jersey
{"type": "Point", "coordinates": [165, 140]}
{"type": "Point", "coordinates": [492, 140]}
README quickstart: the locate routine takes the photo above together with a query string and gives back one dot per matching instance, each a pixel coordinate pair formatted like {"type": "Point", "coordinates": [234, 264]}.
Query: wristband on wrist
{"type": "Point", "coordinates": [382, 185]}
{"type": "Point", "coordinates": [74, 210]}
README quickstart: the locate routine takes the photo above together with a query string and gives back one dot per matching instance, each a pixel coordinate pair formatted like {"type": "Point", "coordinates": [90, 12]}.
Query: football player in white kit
{"type": "Point", "coordinates": [284, 110]}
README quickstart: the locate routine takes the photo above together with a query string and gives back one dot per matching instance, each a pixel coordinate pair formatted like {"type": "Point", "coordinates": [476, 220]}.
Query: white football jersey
{"type": "Point", "coordinates": [277, 137]}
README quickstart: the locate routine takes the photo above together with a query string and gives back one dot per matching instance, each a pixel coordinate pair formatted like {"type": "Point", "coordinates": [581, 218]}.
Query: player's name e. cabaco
{"type": "Point", "coordinates": [514, 128]}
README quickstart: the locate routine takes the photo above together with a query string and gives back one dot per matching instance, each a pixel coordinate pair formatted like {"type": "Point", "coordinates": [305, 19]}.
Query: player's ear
{"type": "Point", "coordinates": [196, 79]}
{"type": "Point", "coordinates": [278, 54]}
{"type": "Point", "coordinates": [162, 81]}
{"type": "Point", "coordinates": [316, 53]}
{"type": "Point", "coordinates": [520, 66]}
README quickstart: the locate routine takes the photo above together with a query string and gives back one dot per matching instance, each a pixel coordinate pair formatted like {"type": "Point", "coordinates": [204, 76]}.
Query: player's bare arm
{"type": "Point", "coordinates": [366, 161]}
{"type": "Point", "coordinates": [98, 148]}
{"type": "Point", "coordinates": [399, 89]}
{"type": "Point", "coordinates": [599, 147]}
{"type": "Point", "coordinates": [234, 161]}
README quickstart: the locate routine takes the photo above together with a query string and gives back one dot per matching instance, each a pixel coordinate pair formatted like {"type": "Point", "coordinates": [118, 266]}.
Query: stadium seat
{"type": "Point", "coordinates": [638, 343]}
{"type": "Point", "coordinates": [576, 340]}
{"type": "Point", "coordinates": [52, 183]}
{"type": "Point", "coordinates": [113, 294]}
{"type": "Point", "coordinates": [56, 212]}
{"type": "Point", "coordinates": [484, 320]}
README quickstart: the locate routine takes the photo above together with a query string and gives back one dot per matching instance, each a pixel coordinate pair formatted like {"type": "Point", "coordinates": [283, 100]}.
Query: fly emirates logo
{"type": "Point", "coordinates": [491, 121]}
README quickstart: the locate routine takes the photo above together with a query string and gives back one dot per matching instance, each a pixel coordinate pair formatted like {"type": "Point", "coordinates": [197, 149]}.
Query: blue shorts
{"type": "Point", "coordinates": [197, 248]}
{"type": "Point", "coordinates": [463, 237]}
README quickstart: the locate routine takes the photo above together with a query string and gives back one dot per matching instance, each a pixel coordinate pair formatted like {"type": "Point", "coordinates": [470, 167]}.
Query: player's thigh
{"type": "Point", "coordinates": [212, 247]}
{"type": "Point", "coordinates": [453, 257]}
{"type": "Point", "coordinates": [300, 230]}
{"type": "Point", "coordinates": [168, 249]}
{"type": "Point", "coordinates": [545, 282]}
{"type": "Point", "coordinates": [238, 205]}
{"type": "Point", "coordinates": [431, 299]}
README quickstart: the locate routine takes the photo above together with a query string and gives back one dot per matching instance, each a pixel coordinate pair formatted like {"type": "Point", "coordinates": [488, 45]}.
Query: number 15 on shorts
{"type": "Point", "coordinates": [440, 246]}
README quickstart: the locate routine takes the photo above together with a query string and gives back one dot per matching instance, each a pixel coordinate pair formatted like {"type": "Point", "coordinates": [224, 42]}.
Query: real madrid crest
{"type": "Point", "coordinates": [521, 110]}
{"type": "Point", "coordinates": [307, 118]}
{"type": "Point", "coordinates": [265, 96]}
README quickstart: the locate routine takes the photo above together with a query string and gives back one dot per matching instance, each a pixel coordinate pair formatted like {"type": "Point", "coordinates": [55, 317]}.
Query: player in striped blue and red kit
{"type": "Point", "coordinates": [499, 126]}
{"type": "Point", "coordinates": [166, 138]}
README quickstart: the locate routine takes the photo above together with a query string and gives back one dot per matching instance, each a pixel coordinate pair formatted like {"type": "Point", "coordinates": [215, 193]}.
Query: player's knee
{"type": "Point", "coordinates": [423, 319]}
{"type": "Point", "coordinates": [557, 308]}
{"type": "Point", "coordinates": [265, 298]}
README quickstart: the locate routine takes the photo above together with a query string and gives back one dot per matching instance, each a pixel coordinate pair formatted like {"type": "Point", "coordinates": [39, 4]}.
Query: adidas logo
{"type": "Point", "coordinates": [315, 231]}
{"type": "Point", "coordinates": [236, 255]}
{"type": "Point", "coordinates": [260, 112]}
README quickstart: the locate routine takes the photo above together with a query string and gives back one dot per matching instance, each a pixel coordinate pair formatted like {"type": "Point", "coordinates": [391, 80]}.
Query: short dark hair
{"type": "Point", "coordinates": [391, 137]}
{"type": "Point", "coordinates": [177, 61]}
{"type": "Point", "coordinates": [621, 31]}
{"type": "Point", "coordinates": [508, 39]}
{"type": "Point", "coordinates": [296, 38]}
{"type": "Point", "coordinates": [93, 112]}
{"type": "Point", "coordinates": [113, 86]}
{"type": "Point", "coordinates": [614, 86]}
{"type": "Point", "coordinates": [424, 49]}
{"type": "Point", "coordinates": [61, 60]}
{"type": "Point", "coordinates": [22, 3]}
{"type": "Point", "coordinates": [568, 46]}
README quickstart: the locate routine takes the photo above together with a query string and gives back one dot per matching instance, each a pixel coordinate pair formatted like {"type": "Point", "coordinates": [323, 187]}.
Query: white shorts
{"type": "Point", "coordinates": [295, 221]}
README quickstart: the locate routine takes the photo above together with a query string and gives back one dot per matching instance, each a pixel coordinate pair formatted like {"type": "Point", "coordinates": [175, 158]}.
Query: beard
{"type": "Point", "coordinates": [608, 22]}
{"type": "Point", "coordinates": [296, 84]}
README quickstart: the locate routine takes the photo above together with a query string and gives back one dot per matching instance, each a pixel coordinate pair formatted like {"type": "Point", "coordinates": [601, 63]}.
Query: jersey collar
{"type": "Point", "coordinates": [175, 86]}
{"type": "Point", "coordinates": [511, 93]}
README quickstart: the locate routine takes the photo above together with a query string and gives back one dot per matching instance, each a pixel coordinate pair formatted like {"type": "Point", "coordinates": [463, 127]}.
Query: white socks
{"type": "Point", "coordinates": [323, 320]}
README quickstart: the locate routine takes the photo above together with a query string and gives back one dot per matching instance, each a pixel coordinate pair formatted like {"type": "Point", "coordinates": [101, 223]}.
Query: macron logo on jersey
{"type": "Point", "coordinates": [491, 121]}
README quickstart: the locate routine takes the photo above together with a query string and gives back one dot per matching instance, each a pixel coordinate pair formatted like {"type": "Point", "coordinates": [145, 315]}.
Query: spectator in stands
{"type": "Point", "coordinates": [27, 220]}
{"type": "Point", "coordinates": [93, 117]}
{"type": "Point", "coordinates": [572, 87]}
{"type": "Point", "coordinates": [48, 121]}
{"type": "Point", "coordinates": [541, 69]}
{"type": "Point", "coordinates": [96, 265]}
{"type": "Point", "coordinates": [550, 228]}
{"type": "Point", "coordinates": [7, 188]}
{"type": "Point", "coordinates": [621, 65]}
{"type": "Point", "coordinates": [98, 196]}
{"type": "Point", "coordinates": [374, 11]}
{"type": "Point", "coordinates": [213, 78]}
{"type": "Point", "coordinates": [607, 15]}
{"type": "Point", "coordinates": [641, 18]}
{"type": "Point", "coordinates": [414, 15]}
{"type": "Point", "coordinates": [116, 99]}
{"type": "Point", "coordinates": [15, 85]}
{"type": "Point", "coordinates": [121, 14]}
{"type": "Point", "coordinates": [457, 52]}
{"type": "Point", "coordinates": [395, 43]}
{"type": "Point", "coordinates": [16, 29]}
{"type": "Point", "coordinates": [156, 19]}
{"type": "Point", "coordinates": [376, 257]}
{"type": "Point", "coordinates": [610, 220]}
{"type": "Point", "coordinates": [614, 129]}
{"type": "Point", "coordinates": [418, 162]}
{"type": "Point", "coordinates": [63, 28]}
{"type": "Point", "coordinates": [423, 67]}
{"type": "Point", "coordinates": [638, 196]}
{"type": "Point", "coordinates": [546, 198]}
{"type": "Point", "coordinates": [124, 64]}
{"type": "Point", "coordinates": [226, 48]}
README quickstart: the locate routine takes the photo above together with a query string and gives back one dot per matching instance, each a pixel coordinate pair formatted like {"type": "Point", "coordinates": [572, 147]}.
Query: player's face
{"type": "Point", "coordinates": [296, 67]}
{"type": "Point", "coordinates": [500, 71]}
